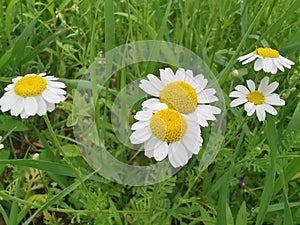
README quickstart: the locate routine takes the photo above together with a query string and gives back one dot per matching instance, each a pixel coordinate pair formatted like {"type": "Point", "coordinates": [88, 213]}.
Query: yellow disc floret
{"type": "Point", "coordinates": [180, 96]}
{"type": "Point", "coordinates": [168, 125]}
{"type": "Point", "coordinates": [267, 52]}
{"type": "Point", "coordinates": [256, 97]}
{"type": "Point", "coordinates": [31, 85]}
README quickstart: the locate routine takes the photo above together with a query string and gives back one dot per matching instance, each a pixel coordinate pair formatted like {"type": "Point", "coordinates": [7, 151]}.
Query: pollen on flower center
{"type": "Point", "coordinates": [30, 86]}
{"type": "Point", "coordinates": [168, 125]}
{"type": "Point", "coordinates": [256, 97]}
{"type": "Point", "coordinates": [180, 96]}
{"type": "Point", "coordinates": [267, 52]}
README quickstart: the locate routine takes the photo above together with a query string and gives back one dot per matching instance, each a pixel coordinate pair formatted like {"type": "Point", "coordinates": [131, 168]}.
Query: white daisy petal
{"type": "Point", "coordinates": [250, 59]}
{"type": "Point", "coordinates": [179, 153]}
{"type": "Point", "coordinates": [139, 125]}
{"type": "Point", "coordinates": [260, 112]}
{"type": "Point", "coordinates": [30, 106]}
{"type": "Point", "coordinates": [180, 74]}
{"type": "Point", "coordinates": [172, 160]}
{"type": "Point", "coordinates": [242, 58]}
{"type": "Point", "coordinates": [9, 87]}
{"type": "Point", "coordinates": [151, 143]}
{"type": "Point", "coordinates": [251, 85]}
{"type": "Point", "coordinates": [258, 65]}
{"type": "Point", "coordinates": [278, 64]}
{"type": "Point", "coordinates": [147, 86]}
{"type": "Point", "coordinates": [263, 84]}
{"type": "Point", "coordinates": [274, 68]}
{"type": "Point", "coordinates": [270, 88]}
{"type": "Point", "coordinates": [242, 89]}
{"type": "Point", "coordinates": [251, 111]}
{"type": "Point", "coordinates": [56, 84]}
{"type": "Point", "coordinates": [267, 65]}
{"type": "Point", "coordinates": [50, 106]}
{"type": "Point", "coordinates": [140, 136]}
{"type": "Point", "coordinates": [166, 75]}
{"type": "Point", "coordinates": [155, 81]}
{"type": "Point", "coordinates": [286, 61]}
{"type": "Point", "coordinates": [274, 99]}
{"type": "Point", "coordinates": [161, 151]}
{"type": "Point", "coordinates": [143, 115]}
{"type": "Point", "coordinates": [270, 109]}
{"type": "Point", "coordinates": [42, 107]}
{"type": "Point", "coordinates": [249, 106]}
{"type": "Point", "coordinates": [238, 101]}
{"type": "Point", "coordinates": [237, 94]}
{"type": "Point", "coordinates": [149, 153]}
{"type": "Point", "coordinates": [18, 107]}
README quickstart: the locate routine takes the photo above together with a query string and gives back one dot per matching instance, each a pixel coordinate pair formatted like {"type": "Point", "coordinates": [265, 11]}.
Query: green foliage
{"type": "Point", "coordinates": [247, 182]}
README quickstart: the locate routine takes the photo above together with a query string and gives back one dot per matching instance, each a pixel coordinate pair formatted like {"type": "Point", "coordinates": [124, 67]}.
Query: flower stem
{"type": "Point", "coordinates": [272, 137]}
{"type": "Point", "coordinates": [60, 149]}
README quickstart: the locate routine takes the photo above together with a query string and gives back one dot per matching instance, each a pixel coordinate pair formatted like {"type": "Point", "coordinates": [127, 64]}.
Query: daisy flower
{"type": "Point", "coordinates": [166, 132]}
{"type": "Point", "coordinates": [1, 145]}
{"type": "Point", "coordinates": [260, 100]}
{"type": "Point", "coordinates": [32, 94]}
{"type": "Point", "coordinates": [267, 59]}
{"type": "Point", "coordinates": [183, 92]}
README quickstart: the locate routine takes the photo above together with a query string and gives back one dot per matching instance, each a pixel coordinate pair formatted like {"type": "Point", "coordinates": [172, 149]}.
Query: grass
{"type": "Point", "coordinates": [63, 38]}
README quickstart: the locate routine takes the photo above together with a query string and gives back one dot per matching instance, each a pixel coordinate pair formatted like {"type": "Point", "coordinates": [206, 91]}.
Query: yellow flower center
{"type": "Point", "coordinates": [256, 97]}
{"type": "Point", "coordinates": [31, 85]}
{"type": "Point", "coordinates": [267, 53]}
{"type": "Point", "coordinates": [180, 96]}
{"type": "Point", "coordinates": [168, 125]}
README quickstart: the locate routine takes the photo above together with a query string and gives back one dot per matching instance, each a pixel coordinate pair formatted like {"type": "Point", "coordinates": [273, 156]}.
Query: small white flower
{"type": "Point", "coordinates": [166, 132]}
{"type": "Point", "coordinates": [32, 94]}
{"type": "Point", "coordinates": [184, 93]}
{"type": "Point", "coordinates": [267, 59]}
{"type": "Point", "coordinates": [260, 100]}
{"type": "Point", "coordinates": [1, 145]}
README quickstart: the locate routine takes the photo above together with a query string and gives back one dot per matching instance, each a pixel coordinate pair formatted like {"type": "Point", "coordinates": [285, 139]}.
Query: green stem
{"type": "Point", "coordinates": [59, 148]}
{"type": "Point", "coordinates": [267, 194]}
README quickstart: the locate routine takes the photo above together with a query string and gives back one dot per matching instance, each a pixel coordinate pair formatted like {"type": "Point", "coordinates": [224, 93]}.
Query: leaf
{"type": "Point", "coordinates": [9, 123]}
{"type": "Point", "coordinates": [71, 150]}
{"type": "Point", "coordinates": [229, 216]}
{"type": "Point", "coordinates": [241, 218]}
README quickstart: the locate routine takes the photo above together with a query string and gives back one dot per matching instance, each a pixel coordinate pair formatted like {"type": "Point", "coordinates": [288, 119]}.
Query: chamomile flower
{"type": "Point", "coordinates": [166, 132]}
{"type": "Point", "coordinates": [1, 145]}
{"type": "Point", "coordinates": [183, 92]}
{"type": "Point", "coordinates": [260, 100]}
{"type": "Point", "coordinates": [32, 94]}
{"type": "Point", "coordinates": [267, 59]}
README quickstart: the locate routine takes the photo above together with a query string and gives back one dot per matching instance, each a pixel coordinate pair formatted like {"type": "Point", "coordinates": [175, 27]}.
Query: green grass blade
{"type": "Point", "coordinates": [47, 166]}
{"type": "Point", "coordinates": [268, 190]}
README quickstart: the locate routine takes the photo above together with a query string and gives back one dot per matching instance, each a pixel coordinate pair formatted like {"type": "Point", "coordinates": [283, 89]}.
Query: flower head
{"type": "Point", "coordinates": [184, 93]}
{"type": "Point", "coordinates": [1, 145]}
{"type": "Point", "coordinates": [32, 94]}
{"type": "Point", "coordinates": [260, 100]}
{"type": "Point", "coordinates": [166, 132]}
{"type": "Point", "coordinates": [267, 59]}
